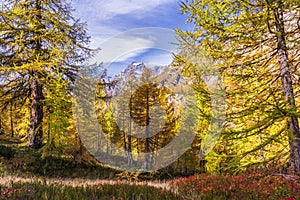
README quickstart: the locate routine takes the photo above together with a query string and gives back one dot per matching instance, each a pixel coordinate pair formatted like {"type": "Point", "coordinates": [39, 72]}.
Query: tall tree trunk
{"type": "Point", "coordinates": [287, 85]}
{"type": "Point", "coordinates": [147, 164]}
{"type": "Point", "coordinates": [35, 137]}
{"type": "Point", "coordinates": [1, 129]}
{"type": "Point", "coordinates": [129, 149]}
{"type": "Point", "coordinates": [11, 120]}
{"type": "Point", "coordinates": [124, 134]}
{"type": "Point", "coordinates": [98, 152]}
{"type": "Point", "coordinates": [129, 156]}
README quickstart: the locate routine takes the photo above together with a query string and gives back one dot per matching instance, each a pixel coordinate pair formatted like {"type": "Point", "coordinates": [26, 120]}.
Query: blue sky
{"type": "Point", "coordinates": [106, 19]}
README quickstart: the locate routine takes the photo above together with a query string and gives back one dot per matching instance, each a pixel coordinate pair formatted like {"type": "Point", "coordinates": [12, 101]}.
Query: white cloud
{"type": "Point", "coordinates": [129, 6]}
{"type": "Point", "coordinates": [109, 32]}
{"type": "Point", "coordinates": [100, 14]}
{"type": "Point", "coordinates": [106, 9]}
{"type": "Point", "coordinates": [119, 49]}
{"type": "Point", "coordinates": [134, 42]}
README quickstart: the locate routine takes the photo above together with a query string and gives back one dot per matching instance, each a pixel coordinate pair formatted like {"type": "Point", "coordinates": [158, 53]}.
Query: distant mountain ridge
{"type": "Point", "coordinates": [133, 72]}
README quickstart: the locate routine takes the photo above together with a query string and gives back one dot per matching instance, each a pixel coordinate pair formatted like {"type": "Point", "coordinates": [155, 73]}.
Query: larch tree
{"type": "Point", "coordinates": [256, 48]}
{"type": "Point", "coordinates": [40, 41]}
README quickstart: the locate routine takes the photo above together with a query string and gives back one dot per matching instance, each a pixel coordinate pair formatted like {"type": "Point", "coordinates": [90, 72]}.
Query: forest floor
{"type": "Point", "coordinates": [26, 174]}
